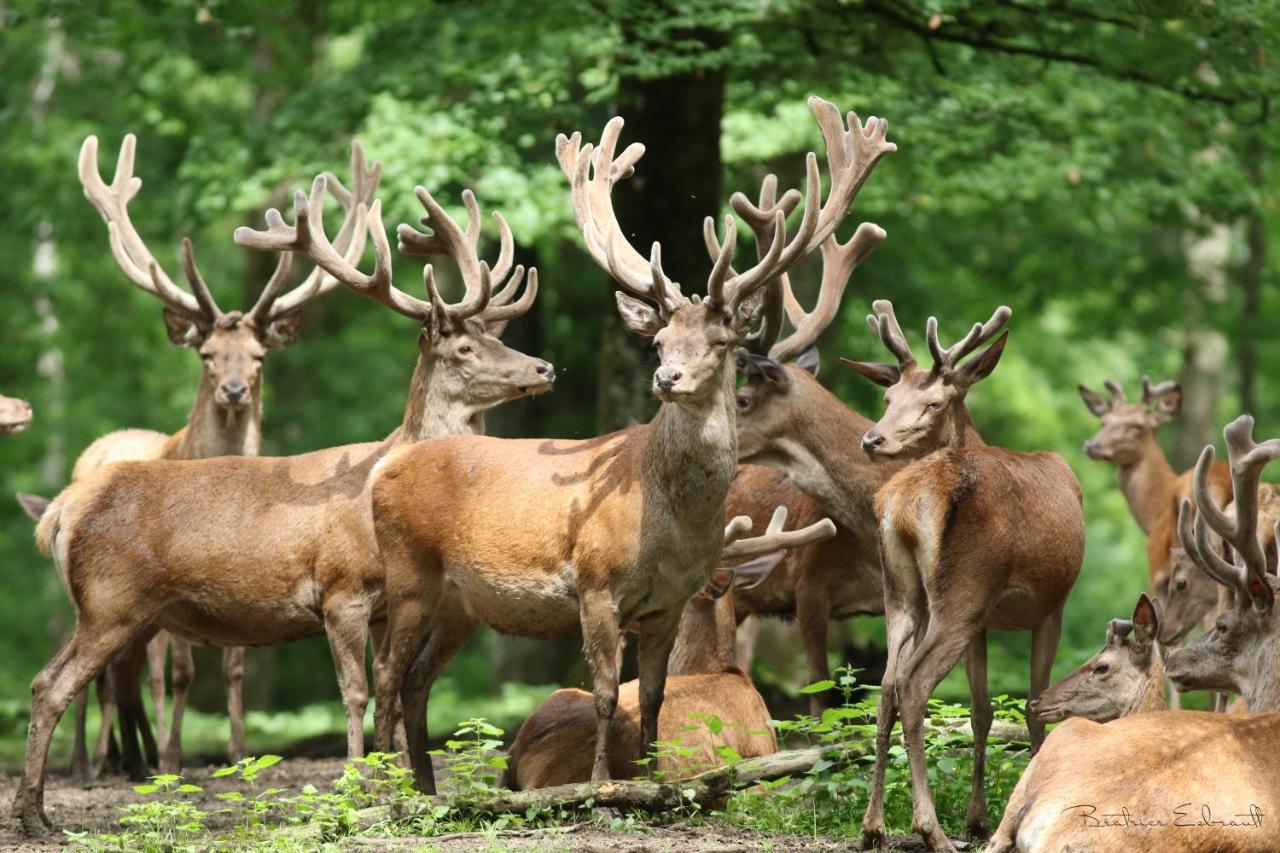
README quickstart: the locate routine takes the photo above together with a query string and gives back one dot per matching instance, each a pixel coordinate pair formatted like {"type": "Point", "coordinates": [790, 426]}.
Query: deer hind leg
{"type": "Point", "coordinates": [399, 740]}
{"type": "Point", "coordinates": [70, 671]}
{"type": "Point", "coordinates": [980, 716]}
{"type": "Point", "coordinates": [184, 670]}
{"type": "Point", "coordinates": [233, 678]}
{"type": "Point", "coordinates": [600, 637]}
{"type": "Point", "coordinates": [346, 623]}
{"type": "Point", "coordinates": [106, 755]}
{"type": "Point", "coordinates": [652, 655]}
{"type": "Point", "coordinates": [80, 749]}
{"type": "Point", "coordinates": [813, 613]}
{"type": "Point", "coordinates": [937, 653]}
{"type": "Point", "coordinates": [137, 743]}
{"type": "Point", "coordinates": [157, 656]}
{"type": "Point", "coordinates": [1044, 646]}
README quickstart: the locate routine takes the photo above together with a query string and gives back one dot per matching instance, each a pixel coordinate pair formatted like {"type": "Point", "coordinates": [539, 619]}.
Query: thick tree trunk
{"type": "Point", "coordinates": [675, 187]}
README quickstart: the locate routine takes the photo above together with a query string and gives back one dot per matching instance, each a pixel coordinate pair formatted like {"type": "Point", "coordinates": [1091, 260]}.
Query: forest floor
{"type": "Point", "coordinates": [96, 807]}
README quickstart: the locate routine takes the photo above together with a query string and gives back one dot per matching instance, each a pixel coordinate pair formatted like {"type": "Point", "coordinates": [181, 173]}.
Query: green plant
{"type": "Point", "coordinates": [256, 806]}
{"type": "Point", "coordinates": [471, 759]}
{"type": "Point", "coordinates": [169, 822]}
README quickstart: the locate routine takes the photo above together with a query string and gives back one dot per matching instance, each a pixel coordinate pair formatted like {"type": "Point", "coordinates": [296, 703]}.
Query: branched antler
{"type": "Point", "coordinates": [774, 538]}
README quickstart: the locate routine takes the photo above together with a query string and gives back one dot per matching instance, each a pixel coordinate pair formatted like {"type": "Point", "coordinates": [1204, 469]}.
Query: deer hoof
{"type": "Point", "coordinates": [873, 839]}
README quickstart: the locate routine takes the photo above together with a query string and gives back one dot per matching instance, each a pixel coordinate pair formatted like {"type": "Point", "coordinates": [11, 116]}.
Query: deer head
{"type": "Point", "coordinates": [1191, 594]}
{"type": "Point", "coordinates": [1112, 682]}
{"type": "Point", "coordinates": [1127, 428]}
{"type": "Point", "coordinates": [695, 335]}
{"type": "Point", "coordinates": [231, 344]}
{"type": "Point", "coordinates": [458, 342]}
{"type": "Point", "coordinates": [15, 415]}
{"type": "Point", "coordinates": [1238, 653]}
{"type": "Point", "coordinates": [924, 408]}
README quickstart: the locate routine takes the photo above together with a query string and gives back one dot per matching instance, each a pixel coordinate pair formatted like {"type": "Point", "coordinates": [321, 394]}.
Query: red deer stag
{"type": "Point", "coordinates": [550, 538]}
{"type": "Point", "coordinates": [556, 744]}
{"type": "Point", "coordinates": [786, 419]}
{"type": "Point", "coordinates": [259, 551]}
{"type": "Point", "coordinates": [973, 538]}
{"type": "Point", "coordinates": [226, 420]}
{"type": "Point", "coordinates": [1179, 781]}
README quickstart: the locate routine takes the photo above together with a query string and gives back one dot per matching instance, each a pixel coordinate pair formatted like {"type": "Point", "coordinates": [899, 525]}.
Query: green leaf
{"type": "Point", "coordinates": [267, 761]}
{"type": "Point", "coordinates": [146, 789]}
{"type": "Point", "coordinates": [189, 789]}
{"type": "Point", "coordinates": [818, 686]}
{"type": "Point", "coordinates": [225, 771]}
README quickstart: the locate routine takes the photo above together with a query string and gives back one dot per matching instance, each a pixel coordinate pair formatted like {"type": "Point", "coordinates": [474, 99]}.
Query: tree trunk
{"type": "Point", "coordinates": [1251, 274]}
{"type": "Point", "coordinates": [675, 187]}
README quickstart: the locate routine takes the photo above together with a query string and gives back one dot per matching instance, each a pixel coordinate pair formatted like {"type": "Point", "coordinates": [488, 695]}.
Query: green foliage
{"type": "Point", "coordinates": [168, 822]}
{"type": "Point", "coordinates": [472, 760]}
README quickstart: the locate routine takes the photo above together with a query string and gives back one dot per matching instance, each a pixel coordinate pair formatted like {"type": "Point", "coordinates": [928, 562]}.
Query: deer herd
{"type": "Point", "coordinates": [413, 542]}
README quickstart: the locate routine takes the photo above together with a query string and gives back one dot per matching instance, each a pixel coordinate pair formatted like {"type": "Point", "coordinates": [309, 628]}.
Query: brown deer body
{"type": "Point", "coordinates": [973, 538]}
{"type": "Point", "coordinates": [591, 538]}
{"type": "Point", "coordinates": [1196, 781]}
{"type": "Point", "coordinates": [556, 744]}
{"type": "Point", "coordinates": [225, 420]}
{"type": "Point", "coordinates": [254, 550]}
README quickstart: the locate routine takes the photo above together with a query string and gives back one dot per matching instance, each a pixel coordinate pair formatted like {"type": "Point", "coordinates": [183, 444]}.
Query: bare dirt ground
{"type": "Point", "coordinates": [97, 807]}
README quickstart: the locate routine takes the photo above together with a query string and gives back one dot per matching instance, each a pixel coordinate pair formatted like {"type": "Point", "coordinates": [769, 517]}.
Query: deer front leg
{"type": "Point", "coordinates": [233, 678]}
{"type": "Point", "coordinates": [1044, 646]}
{"type": "Point", "coordinates": [378, 630]}
{"type": "Point", "coordinates": [138, 753]}
{"type": "Point", "coordinates": [600, 633]}
{"type": "Point", "coordinates": [346, 623]}
{"type": "Point", "coordinates": [652, 656]}
{"type": "Point", "coordinates": [184, 670]}
{"type": "Point", "coordinates": [980, 717]}
{"type": "Point", "coordinates": [157, 657]}
{"type": "Point", "coordinates": [80, 749]}
{"type": "Point", "coordinates": [103, 761]}
{"type": "Point", "coordinates": [813, 612]}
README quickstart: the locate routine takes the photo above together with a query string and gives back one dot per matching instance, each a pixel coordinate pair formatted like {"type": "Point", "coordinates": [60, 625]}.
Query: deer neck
{"type": "Point", "coordinates": [1261, 692]}
{"type": "Point", "coordinates": [691, 454]}
{"type": "Point", "coordinates": [706, 639]}
{"type": "Point", "coordinates": [434, 409]}
{"type": "Point", "coordinates": [958, 429]}
{"type": "Point", "coordinates": [214, 431]}
{"type": "Point", "coordinates": [1148, 484]}
{"type": "Point", "coordinates": [1150, 695]}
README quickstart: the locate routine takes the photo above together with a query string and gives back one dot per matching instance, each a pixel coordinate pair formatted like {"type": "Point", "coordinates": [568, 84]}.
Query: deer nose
{"type": "Point", "coordinates": [1088, 445]}
{"type": "Point", "coordinates": [666, 378]}
{"type": "Point", "coordinates": [871, 441]}
{"type": "Point", "coordinates": [545, 370]}
{"type": "Point", "coordinates": [1031, 705]}
{"type": "Point", "coordinates": [234, 390]}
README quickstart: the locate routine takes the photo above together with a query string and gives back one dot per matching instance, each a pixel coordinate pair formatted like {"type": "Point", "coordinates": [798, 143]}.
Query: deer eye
{"type": "Point", "coordinates": [1181, 585]}
{"type": "Point", "coordinates": [1102, 669]}
{"type": "Point", "coordinates": [744, 402]}
{"type": "Point", "coordinates": [933, 407]}
{"type": "Point", "coordinates": [720, 344]}
{"type": "Point", "coordinates": [1221, 627]}
{"type": "Point", "coordinates": [465, 349]}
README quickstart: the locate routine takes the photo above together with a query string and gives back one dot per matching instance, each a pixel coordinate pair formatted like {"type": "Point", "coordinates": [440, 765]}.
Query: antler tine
{"type": "Point", "coordinates": [1116, 390]}
{"type": "Point", "coordinates": [947, 359]}
{"type": "Point", "coordinates": [1195, 541]}
{"type": "Point", "coordinates": [127, 247]}
{"type": "Point", "coordinates": [1247, 461]}
{"type": "Point", "coordinates": [447, 238]}
{"type": "Point", "coordinates": [838, 262]}
{"type": "Point", "coordinates": [511, 310]}
{"type": "Point", "coordinates": [852, 153]}
{"type": "Point", "coordinates": [198, 287]}
{"type": "Point", "coordinates": [1151, 392]}
{"type": "Point", "coordinates": [774, 538]}
{"type": "Point", "coordinates": [759, 218]}
{"type": "Point", "coordinates": [884, 323]}
{"type": "Point", "coordinates": [592, 172]}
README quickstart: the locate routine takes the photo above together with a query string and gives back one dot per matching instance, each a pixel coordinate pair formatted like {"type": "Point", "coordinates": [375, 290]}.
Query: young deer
{"type": "Point", "coordinates": [1127, 439]}
{"type": "Point", "coordinates": [226, 420]}
{"type": "Point", "coordinates": [556, 744]}
{"type": "Point", "coordinates": [552, 538]}
{"type": "Point", "coordinates": [15, 415]}
{"type": "Point", "coordinates": [1187, 781]}
{"type": "Point", "coordinates": [973, 538]}
{"type": "Point", "coordinates": [259, 551]}
{"type": "Point", "coordinates": [1125, 678]}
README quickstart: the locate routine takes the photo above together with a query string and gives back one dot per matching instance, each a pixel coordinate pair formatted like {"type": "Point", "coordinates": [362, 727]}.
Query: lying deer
{"type": "Point", "coordinates": [261, 551]}
{"type": "Point", "coordinates": [556, 744]}
{"type": "Point", "coordinates": [15, 415]}
{"type": "Point", "coordinates": [1186, 781]}
{"type": "Point", "coordinates": [1125, 678]}
{"type": "Point", "coordinates": [973, 538]}
{"type": "Point", "coordinates": [226, 420]}
{"type": "Point", "coordinates": [550, 538]}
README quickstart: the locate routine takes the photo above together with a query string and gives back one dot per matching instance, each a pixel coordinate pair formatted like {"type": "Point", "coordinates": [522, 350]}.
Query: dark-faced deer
{"type": "Point", "coordinates": [225, 420]}
{"type": "Point", "coordinates": [1125, 678]}
{"type": "Point", "coordinates": [1127, 438]}
{"type": "Point", "coordinates": [596, 537]}
{"type": "Point", "coordinates": [1190, 780]}
{"type": "Point", "coordinates": [972, 537]}
{"type": "Point", "coordinates": [261, 551]}
{"type": "Point", "coordinates": [15, 415]}
{"type": "Point", "coordinates": [556, 744]}
{"type": "Point", "coordinates": [1239, 653]}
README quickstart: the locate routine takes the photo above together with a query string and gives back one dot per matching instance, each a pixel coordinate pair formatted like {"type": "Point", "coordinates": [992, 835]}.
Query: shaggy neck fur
{"type": "Point", "coordinates": [706, 640]}
{"type": "Point", "coordinates": [1150, 695]}
{"type": "Point", "coordinates": [1147, 484]}
{"type": "Point", "coordinates": [214, 431]}
{"type": "Point", "coordinates": [434, 410]}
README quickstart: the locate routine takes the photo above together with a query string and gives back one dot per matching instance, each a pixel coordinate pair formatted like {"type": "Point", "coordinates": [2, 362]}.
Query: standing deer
{"type": "Point", "coordinates": [226, 420]}
{"type": "Point", "coordinates": [261, 551]}
{"type": "Point", "coordinates": [15, 415]}
{"type": "Point", "coordinates": [787, 420]}
{"type": "Point", "coordinates": [1125, 678]}
{"type": "Point", "coordinates": [550, 538]}
{"type": "Point", "coordinates": [973, 538]}
{"type": "Point", "coordinates": [1187, 781]}
{"type": "Point", "coordinates": [556, 744]}
{"type": "Point", "coordinates": [1127, 439]}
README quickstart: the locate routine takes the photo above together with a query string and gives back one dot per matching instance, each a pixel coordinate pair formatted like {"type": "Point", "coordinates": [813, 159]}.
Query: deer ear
{"type": "Point", "coordinates": [639, 317]}
{"type": "Point", "coordinates": [752, 573]}
{"type": "Point", "coordinates": [718, 585]}
{"type": "Point", "coordinates": [282, 333]}
{"type": "Point", "coordinates": [1096, 403]}
{"type": "Point", "coordinates": [750, 364]}
{"type": "Point", "coordinates": [809, 361]}
{"type": "Point", "coordinates": [1168, 404]}
{"type": "Point", "coordinates": [496, 328]}
{"type": "Point", "coordinates": [182, 331]}
{"type": "Point", "coordinates": [878, 372]}
{"type": "Point", "coordinates": [1118, 630]}
{"type": "Point", "coordinates": [1146, 619]}
{"type": "Point", "coordinates": [979, 368]}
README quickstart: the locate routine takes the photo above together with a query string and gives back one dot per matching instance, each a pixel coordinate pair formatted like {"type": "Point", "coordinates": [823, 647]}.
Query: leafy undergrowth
{"type": "Point", "coordinates": [825, 802]}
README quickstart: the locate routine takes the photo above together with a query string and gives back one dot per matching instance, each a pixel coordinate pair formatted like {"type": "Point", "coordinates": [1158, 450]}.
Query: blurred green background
{"type": "Point", "coordinates": [1102, 167]}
